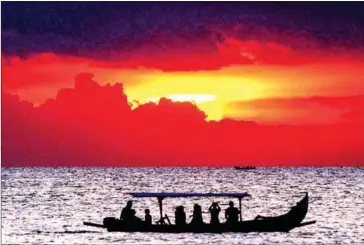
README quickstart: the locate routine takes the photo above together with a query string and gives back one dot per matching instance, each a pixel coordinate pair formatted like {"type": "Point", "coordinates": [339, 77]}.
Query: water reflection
{"type": "Point", "coordinates": [48, 205]}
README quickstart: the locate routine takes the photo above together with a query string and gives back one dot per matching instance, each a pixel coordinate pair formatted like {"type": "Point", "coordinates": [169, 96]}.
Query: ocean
{"type": "Point", "coordinates": [49, 205]}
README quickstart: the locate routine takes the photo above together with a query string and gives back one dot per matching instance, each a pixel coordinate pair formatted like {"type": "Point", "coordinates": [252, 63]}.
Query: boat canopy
{"type": "Point", "coordinates": [162, 195]}
{"type": "Point", "coordinates": [188, 194]}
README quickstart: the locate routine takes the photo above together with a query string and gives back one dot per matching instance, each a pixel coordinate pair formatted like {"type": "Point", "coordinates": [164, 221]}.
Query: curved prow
{"type": "Point", "coordinates": [298, 212]}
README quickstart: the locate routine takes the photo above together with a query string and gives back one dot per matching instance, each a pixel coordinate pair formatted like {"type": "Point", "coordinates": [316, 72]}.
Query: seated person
{"type": "Point", "coordinates": [148, 217]}
{"type": "Point", "coordinates": [214, 210]}
{"type": "Point", "coordinates": [197, 215]}
{"type": "Point", "coordinates": [127, 213]}
{"type": "Point", "coordinates": [231, 214]}
{"type": "Point", "coordinates": [180, 216]}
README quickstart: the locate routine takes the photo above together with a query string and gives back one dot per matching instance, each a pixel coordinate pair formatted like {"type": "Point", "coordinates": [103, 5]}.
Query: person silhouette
{"type": "Point", "coordinates": [231, 214]}
{"type": "Point", "coordinates": [127, 213]}
{"type": "Point", "coordinates": [214, 210]}
{"type": "Point", "coordinates": [148, 217]}
{"type": "Point", "coordinates": [180, 216]}
{"type": "Point", "coordinates": [197, 215]}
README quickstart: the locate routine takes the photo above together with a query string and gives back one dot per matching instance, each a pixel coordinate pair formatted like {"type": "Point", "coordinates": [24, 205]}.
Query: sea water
{"type": "Point", "coordinates": [49, 205]}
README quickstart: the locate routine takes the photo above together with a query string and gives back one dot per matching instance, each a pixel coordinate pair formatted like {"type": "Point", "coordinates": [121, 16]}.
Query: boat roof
{"type": "Point", "coordinates": [188, 194]}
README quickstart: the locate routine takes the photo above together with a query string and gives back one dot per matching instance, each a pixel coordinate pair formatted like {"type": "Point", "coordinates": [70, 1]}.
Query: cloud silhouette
{"type": "Point", "coordinates": [306, 110]}
{"type": "Point", "coordinates": [94, 125]}
{"type": "Point", "coordinates": [124, 28]}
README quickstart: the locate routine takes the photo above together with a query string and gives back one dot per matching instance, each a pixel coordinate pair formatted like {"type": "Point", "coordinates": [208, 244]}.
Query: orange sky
{"type": "Point", "coordinates": [41, 76]}
{"type": "Point", "coordinates": [266, 90]}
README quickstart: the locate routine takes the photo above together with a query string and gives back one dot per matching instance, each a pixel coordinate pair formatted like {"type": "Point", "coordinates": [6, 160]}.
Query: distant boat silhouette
{"type": "Point", "coordinates": [244, 167]}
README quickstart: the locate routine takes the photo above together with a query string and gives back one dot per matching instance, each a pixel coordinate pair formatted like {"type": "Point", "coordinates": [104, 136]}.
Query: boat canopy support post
{"type": "Point", "coordinates": [241, 219]}
{"type": "Point", "coordinates": [160, 199]}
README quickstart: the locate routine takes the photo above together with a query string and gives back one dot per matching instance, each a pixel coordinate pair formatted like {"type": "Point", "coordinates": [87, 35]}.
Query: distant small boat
{"type": "Point", "coordinates": [245, 167]}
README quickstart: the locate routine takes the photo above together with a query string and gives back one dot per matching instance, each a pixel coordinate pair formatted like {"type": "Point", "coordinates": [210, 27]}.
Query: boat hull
{"type": "Point", "coordinates": [243, 227]}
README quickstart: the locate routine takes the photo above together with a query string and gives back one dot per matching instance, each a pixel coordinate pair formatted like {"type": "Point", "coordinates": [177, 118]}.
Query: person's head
{"type": "Point", "coordinates": [231, 204]}
{"type": "Point", "coordinates": [196, 207]}
{"type": "Point", "coordinates": [147, 211]}
{"type": "Point", "coordinates": [214, 204]}
{"type": "Point", "coordinates": [129, 204]}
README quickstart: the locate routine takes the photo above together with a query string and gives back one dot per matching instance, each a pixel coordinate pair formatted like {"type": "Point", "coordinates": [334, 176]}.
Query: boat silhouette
{"type": "Point", "coordinates": [282, 223]}
{"type": "Point", "coordinates": [245, 167]}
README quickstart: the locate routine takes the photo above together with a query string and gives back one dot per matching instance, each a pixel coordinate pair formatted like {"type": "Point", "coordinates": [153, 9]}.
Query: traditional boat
{"type": "Point", "coordinates": [282, 223]}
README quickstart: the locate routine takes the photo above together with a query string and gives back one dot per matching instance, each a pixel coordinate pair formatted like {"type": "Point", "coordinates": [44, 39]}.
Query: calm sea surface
{"type": "Point", "coordinates": [48, 205]}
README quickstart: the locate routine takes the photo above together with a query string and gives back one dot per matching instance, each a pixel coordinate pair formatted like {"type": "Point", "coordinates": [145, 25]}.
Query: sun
{"type": "Point", "coordinates": [208, 103]}
{"type": "Point", "coordinates": [196, 98]}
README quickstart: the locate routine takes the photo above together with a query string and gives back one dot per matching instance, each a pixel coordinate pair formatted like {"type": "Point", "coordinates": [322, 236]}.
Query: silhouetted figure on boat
{"type": "Point", "coordinates": [197, 215]}
{"type": "Point", "coordinates": [214, 210]}
{"type": "Point", "coordinates": [128, 214]}
{"type": "Point", "coordinates": [148, 217]}
{"type": "Point", "coordinates": [231, 214]}
{"type": "Point", "coordinates": [180, 216]}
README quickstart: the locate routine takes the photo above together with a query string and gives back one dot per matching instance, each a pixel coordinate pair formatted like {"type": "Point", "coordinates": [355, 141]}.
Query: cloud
{"type": "Point", "coordinates": [94, 125]}
{"type": "Point", "coordinates": [122, 29]}
{"type": "Point", "coordinates": [41, 76]}
{"type": "Point", "coordinates": [46, 68]}
{"type": "Point", "coordinates": [206, 43]}
{"type": "Point", "coordinates": [307, 110]}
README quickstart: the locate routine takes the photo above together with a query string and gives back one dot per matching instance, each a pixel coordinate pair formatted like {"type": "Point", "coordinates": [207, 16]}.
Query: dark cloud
{"type": "Point", "coordinates": [105, 29]}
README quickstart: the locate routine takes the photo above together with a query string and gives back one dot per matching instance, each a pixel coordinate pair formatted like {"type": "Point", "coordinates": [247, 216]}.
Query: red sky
{"type": "Point", "coordinates": [92, 123]}
{"type": "Point", "coordinates": [235, 72]}
{"type": "Point", "coordinates": [258, 101]}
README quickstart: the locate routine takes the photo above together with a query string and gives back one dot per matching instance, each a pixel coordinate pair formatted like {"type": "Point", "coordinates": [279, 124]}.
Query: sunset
{"type": "Point", "coordinates": [246, 70]}
{"type": "Point", "coordinates": [144, 118]}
